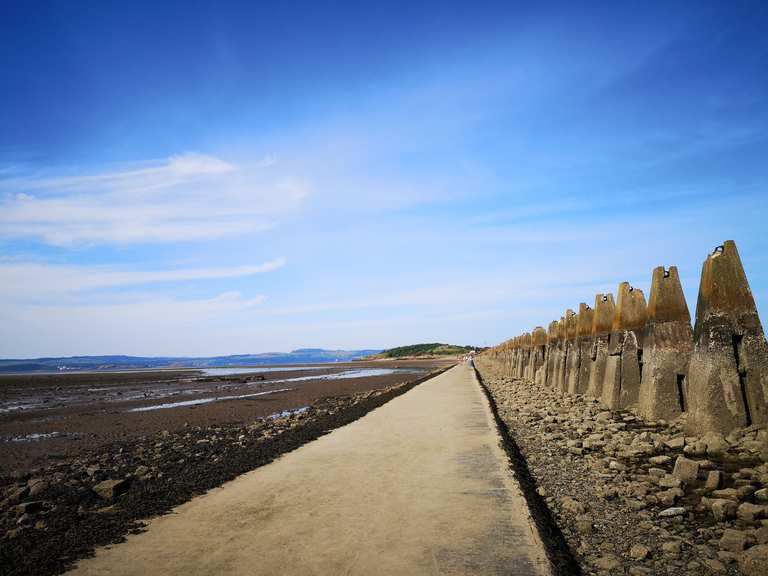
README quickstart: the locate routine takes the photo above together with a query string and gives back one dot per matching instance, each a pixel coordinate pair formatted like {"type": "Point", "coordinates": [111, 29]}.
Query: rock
{"type": "Point", "coordinates": [110, 489]}
{"type": "Point", "coordinates": [723, 509]}
{"type": "Point", "coordinates": [669, 497]}
{"type": "Point", "coordinates": [733, 540]}
{"type": "Point", "coordinates": [618, 466]}
{"type": "Point", "coordinates": [675, 443]}
{"type": "Point", "coordinates": [572, 506]}
{"type": "Point", "coordinates": [716, 444]}
{"type": "Point", "coordinates": [714, 480]}
{"type": "Point", "coordinates": [141, 471]}
{"type": "Point", "coordinates": [658, 460]}
{"type": "Point", "coordinates": [639, 552]}
{"type": "Point", "coordinates": [669, 482]}
{"type": "Point", "coordinates": [671, 512]}
{"type": "Point", "coordinates": [754, 562]}
{"type": "Point", "coordinates": [715, 565]}
{"type": "Point", "coordinates": [750, 512]}
{"type": "Point", "coordinates": [685, 470]}
{"type": "Point", "coordinates": [672, 548]}
{"type": "Point", "coordinates": [30, 507]}
{"type": "Point", "coordinates": [17, 493]}
{"type": "Point", "coordinates": [727, 493]}
{"type": "Point", "coordinates": [762, 495]}
{"type": "Point", "coordinates": [607, 563]}
{"type": "Point", "coordinates": [761, 535]}
{"type": "Point", "coordinates": [656, 472]}
{"type": "Point", "coordinates": [37, 486]}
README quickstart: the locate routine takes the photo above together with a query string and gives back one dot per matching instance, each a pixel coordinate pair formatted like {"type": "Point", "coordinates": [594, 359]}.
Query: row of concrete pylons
{"type": "Point", "coordinates": [646, 358]}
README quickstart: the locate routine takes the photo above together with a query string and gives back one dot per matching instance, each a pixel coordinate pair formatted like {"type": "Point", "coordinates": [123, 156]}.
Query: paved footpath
{"type": "Point", "coordinates": [418, 486]}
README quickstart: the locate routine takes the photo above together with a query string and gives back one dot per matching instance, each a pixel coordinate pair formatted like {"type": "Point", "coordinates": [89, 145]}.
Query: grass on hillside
{"type": "Point", "coordinates": [431, 349]}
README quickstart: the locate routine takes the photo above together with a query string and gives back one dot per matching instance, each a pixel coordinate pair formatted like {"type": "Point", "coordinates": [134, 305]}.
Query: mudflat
{"type": "Point", "coordinates": [418, 486]}
{"type": "Point", "coordinates": [54, 417]}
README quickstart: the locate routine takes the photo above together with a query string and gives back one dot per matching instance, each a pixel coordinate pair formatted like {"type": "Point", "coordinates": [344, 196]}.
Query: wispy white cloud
{"type": "Point", "coordinates": [33, 280]}
{"type": "Point", "coordinates": [183, 198]}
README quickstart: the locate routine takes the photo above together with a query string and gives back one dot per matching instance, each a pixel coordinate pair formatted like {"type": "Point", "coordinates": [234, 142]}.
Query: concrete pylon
{"type": "Point", "coordinates": [583, 349]}
{"type": "Point", "coordinates": [728, 373]}
{"type": "Point", "coordinates": [568, 331]}
{"type": "Point", "coordinates": [602, 323]}
{"type": "Point", "coordinates": [521, 355]}
{"type": "Point", "coordinates": [538, 354]}
{"type": "Point", "coordinates": [667, 347]}
{"type": "Point", "coordinates": [574, 356]}
{"type": "Point", "coordinates": [525, 356]}
{"type": "Point", "coordinates": [623, 369]}
{"type": "Point", "coordinates": [553, 337]}
{"type": "Point", "coordinates": [559, 354]}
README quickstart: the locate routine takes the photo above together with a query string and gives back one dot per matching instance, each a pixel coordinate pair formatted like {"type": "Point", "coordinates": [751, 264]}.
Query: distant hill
{"type": "Point", "coordinates": [90, 363]}
{"type": "Point", "coordinates": [432, 349]}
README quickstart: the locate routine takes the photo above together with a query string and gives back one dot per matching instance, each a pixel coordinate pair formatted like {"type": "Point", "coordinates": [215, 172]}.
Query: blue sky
{"type": "Point", "coordinates": [201, 179]}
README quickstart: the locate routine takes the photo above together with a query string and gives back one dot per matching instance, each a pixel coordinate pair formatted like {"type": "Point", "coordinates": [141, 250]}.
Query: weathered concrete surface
{"type": "Point", "coordinates": [538, 355]}
{"type": "Point", "coordinates": [728, 373]}
{"type": "Point", "coordinates": [668, 343]}
{"type": "Point", "coordinates": [623, 370]}
{"type": "Point", "coordinates": [602, 322]}
{"type": "Point", "coordinates": [418, 486]}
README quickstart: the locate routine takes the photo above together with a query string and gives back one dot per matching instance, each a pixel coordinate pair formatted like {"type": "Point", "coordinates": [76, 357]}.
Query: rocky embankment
{"type": "Point", "coordinates": [55, 515]}
{"type": "Point", "coordinates": [636, 497]}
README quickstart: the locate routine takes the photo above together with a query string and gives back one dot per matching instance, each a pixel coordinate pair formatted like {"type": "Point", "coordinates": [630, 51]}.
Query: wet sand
{"type": "Point", "coordinates": [49, 418]}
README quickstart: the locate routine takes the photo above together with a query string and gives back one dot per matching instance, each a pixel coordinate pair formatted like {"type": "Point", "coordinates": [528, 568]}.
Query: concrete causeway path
{"type": "Point", "coordinates": [418, 486]}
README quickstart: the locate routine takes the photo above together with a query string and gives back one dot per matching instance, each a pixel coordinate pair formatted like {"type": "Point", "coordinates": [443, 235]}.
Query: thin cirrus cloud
{"type": "Point", "coordinates": [182, 198]}
{"type": "Point", "coordinates": [34, 279]}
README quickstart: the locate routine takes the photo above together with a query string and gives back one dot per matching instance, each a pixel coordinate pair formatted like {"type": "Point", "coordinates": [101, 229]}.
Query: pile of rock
{"type": "Point", "coordinates": [641, 497]}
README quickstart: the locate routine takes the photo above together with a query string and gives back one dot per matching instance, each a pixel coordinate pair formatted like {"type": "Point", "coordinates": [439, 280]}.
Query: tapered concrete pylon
{"type": "Point", "coordinates": [631, 311]}
{"type": "Point", "coordinates": [559, 360]}
{"type": "Point", "coordinates": [602, 321]}
{"type": "Point", "coordinates": [538, 349]}
{"type": "Point", "coordinates": [728, 373]}
{"type": "Point", "coordinates": [582, 358]}
{"type": "Point", "coordinates": [667, 347]}
{"type": "Point", "coordinates": [569, 336]}
{"type": "Point", "coordinates": [623, 370]}
{"type": "Point", "coordinates": [522, 358]}
{"type": "Point", "coordinates": [572, 367]}
{"type": "Point", "coordinates": [553, 339]}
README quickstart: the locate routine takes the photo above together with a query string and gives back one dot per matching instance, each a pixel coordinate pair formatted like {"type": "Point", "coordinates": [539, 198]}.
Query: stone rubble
{"type": "Point", "coordinates": [640, 497]}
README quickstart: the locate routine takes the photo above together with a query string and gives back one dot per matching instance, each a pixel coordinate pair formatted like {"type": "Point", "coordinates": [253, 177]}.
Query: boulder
{"type": "Point", "coordinates": [572, 506]}
{"type": "Point", "coordinates": [714, 480]}
{"type": "Point", "coordinates": [672, 548]}
{"type": "Point", "coordinates": [639, 552]}
{"type": "Point", "coordinates": [37, 486]}
{"type": "Point", "coordinates": [110, 489]}
{"type": "Point", "coordinates": [733, 540]}
{"type": "Point", "coordinates": [685, 470]}
{"type": "Point", "coordinates": [29, 507]}
{"type": "Point", "coordinates": [670, 512]}
{"type": "Point", "coordinates": [723, 509]}
{"type": "Point", "coordinates": [750, 513]}
{"type": "Point", "coordinates": [754, 562]}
